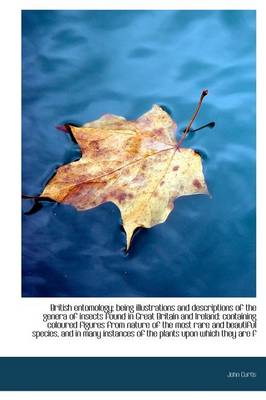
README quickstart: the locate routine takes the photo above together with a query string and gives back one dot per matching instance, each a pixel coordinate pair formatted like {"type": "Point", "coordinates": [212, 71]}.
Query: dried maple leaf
{"type": "Point", "coordinates": [137, 165]}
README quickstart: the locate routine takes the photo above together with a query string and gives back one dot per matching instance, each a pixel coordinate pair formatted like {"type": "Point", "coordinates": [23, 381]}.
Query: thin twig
{"type": "Point", "coordinates": [37, 198]}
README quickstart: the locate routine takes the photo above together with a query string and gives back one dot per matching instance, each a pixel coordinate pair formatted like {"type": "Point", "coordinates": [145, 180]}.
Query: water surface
{"type": "Point", "coordinates": [78, 65]}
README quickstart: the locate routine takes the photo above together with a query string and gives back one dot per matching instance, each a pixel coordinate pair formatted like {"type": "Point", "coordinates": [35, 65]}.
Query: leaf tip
{"type": "Point", "coordinates": [62, 128]}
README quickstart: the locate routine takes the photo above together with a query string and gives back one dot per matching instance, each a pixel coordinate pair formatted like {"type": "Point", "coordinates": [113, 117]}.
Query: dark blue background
{"type": "Point", "coordinates": [78, 65]}
{"type": "Point", "coordinates": [130, 373]}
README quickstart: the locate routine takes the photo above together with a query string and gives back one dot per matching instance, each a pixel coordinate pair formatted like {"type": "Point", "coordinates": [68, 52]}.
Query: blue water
{"type": "Point", "coordinates": [78, 65]}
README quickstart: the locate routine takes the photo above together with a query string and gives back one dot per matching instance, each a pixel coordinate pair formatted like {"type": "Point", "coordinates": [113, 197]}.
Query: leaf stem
{"type": "Point", "coordinates": [203, 94]}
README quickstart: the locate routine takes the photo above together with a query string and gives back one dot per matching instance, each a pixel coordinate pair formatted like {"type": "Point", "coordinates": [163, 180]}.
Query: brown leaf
{"type": "Point", "coordinates": [137, 165]}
